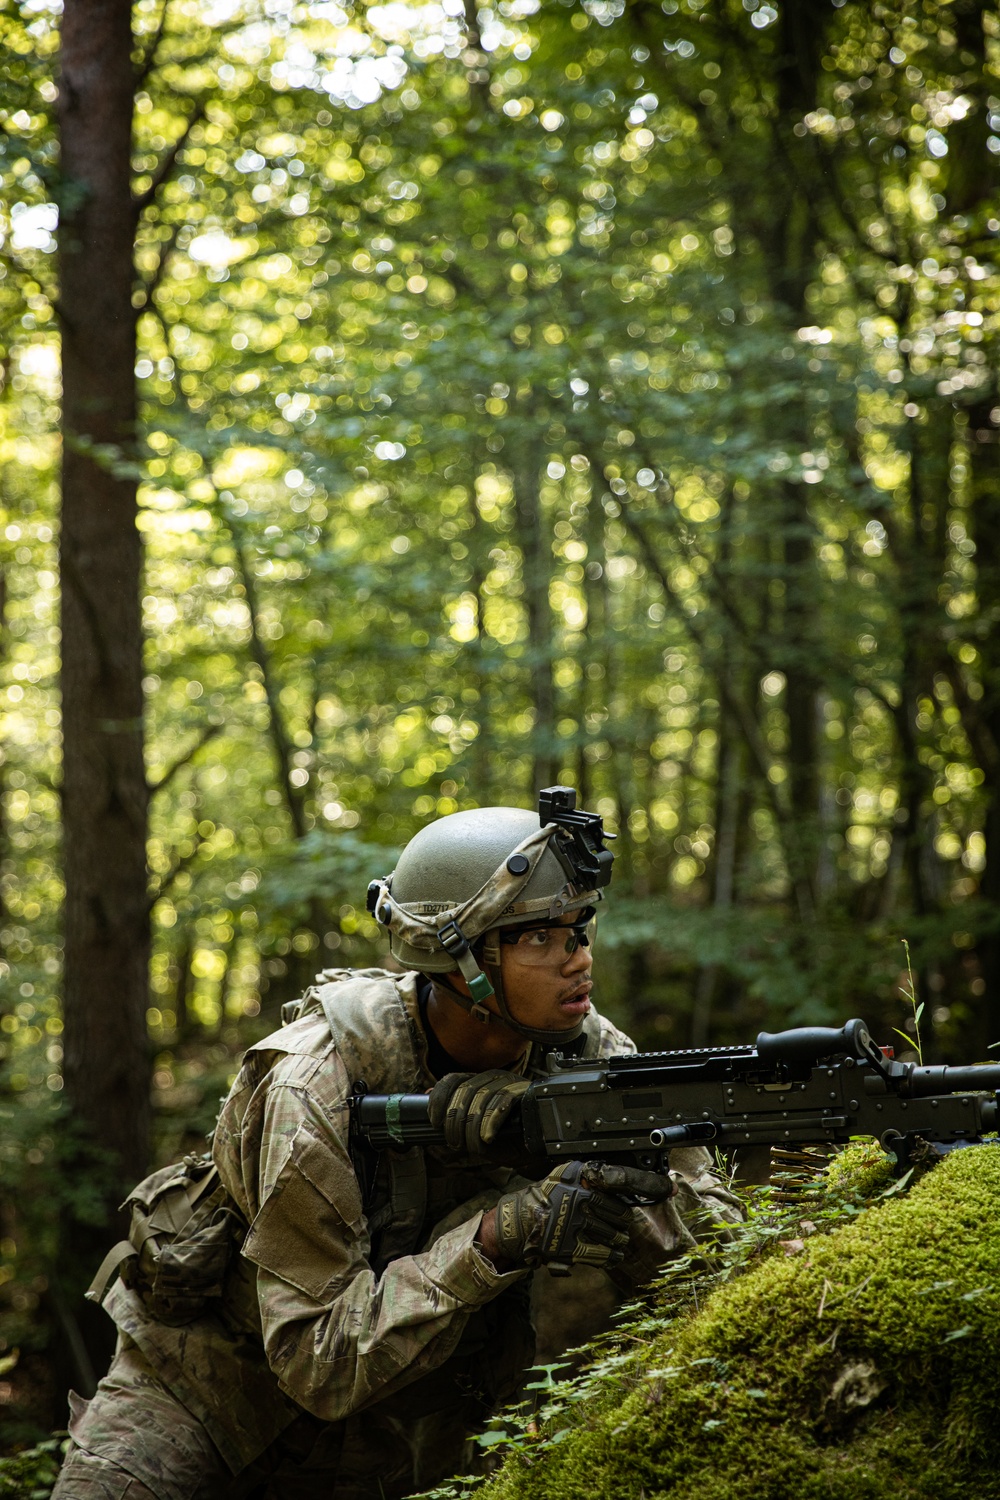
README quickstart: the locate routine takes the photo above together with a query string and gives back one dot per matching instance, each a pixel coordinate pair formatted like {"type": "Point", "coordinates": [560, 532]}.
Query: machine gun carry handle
{"type": "Point", "coordinates": [807, 1044]}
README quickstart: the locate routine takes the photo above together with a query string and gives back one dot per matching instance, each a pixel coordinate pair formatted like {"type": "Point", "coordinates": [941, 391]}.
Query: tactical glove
{"type": "Point", "coordinates": [470, 1108]}
{"type": "Point", "coordinates": [561, 1222]}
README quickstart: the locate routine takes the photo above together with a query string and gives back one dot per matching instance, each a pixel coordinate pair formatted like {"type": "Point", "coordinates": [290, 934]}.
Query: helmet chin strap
{"type": "Point", "coordinates": [546, 1037]}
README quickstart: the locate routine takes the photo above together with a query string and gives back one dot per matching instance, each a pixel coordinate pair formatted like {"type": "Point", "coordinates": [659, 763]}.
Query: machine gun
{"type": "Point", "coordinates": [811, 1085]}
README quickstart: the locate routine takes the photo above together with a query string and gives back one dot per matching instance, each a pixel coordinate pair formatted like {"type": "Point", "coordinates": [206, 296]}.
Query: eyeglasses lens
{"type": "Point", "coordinates": [553, 945]}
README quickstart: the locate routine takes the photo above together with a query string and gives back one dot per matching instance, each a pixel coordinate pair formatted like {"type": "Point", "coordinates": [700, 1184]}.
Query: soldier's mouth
{"type": "Point", "coordinates": [577, 1002]}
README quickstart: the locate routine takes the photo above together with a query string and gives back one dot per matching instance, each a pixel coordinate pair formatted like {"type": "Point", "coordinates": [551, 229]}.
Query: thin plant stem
{"type": "Point", "coordinates": [910, 994]}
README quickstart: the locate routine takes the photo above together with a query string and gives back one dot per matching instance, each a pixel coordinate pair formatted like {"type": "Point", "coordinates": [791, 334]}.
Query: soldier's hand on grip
{"type": "Point", "coordinates": [576, 1216]}
{"type": "Point", "coordinates": [470, 1108]}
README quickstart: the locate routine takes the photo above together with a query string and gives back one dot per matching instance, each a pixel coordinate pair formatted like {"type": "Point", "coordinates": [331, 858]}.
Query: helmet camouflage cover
{"type": "Point", "coordinates": [461, 879]}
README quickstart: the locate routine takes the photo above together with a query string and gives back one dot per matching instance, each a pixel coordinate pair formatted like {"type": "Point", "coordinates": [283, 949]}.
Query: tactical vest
{"type": "Point", "coordinates": [407, 1194]}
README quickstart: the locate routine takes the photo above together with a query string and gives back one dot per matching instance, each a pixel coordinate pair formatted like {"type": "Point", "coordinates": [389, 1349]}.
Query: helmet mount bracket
{"type": "Point", "coordinates": [579, 839]}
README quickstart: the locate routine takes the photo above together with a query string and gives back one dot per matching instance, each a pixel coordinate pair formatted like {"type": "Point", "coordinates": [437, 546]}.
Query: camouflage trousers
{"type": "Point", "coordinates": [136, 1441]}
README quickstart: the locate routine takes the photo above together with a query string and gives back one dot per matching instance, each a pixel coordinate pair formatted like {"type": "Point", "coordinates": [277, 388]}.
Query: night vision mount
{"type": "Point", "coordinates": [579, 841]}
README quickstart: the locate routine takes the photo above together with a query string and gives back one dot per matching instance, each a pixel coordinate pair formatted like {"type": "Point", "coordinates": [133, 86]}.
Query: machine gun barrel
{"type": "Point", "coordinates": [922, 1083]}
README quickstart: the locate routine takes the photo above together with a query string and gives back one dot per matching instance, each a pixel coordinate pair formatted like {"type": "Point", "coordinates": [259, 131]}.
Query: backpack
{"type": "Point", "coordinates": [182, 1237]}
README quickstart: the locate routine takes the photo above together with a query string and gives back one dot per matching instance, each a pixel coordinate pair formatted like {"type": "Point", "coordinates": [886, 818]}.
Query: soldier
{"type": "Point", "coordinates": [300, 1318]}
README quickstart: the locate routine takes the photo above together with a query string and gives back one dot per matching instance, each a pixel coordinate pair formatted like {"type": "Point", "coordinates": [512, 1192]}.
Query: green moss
{"type": "Point", "coordinates": [863, 1364]}
{"type": "Point", "coordinates": [861, 1170]}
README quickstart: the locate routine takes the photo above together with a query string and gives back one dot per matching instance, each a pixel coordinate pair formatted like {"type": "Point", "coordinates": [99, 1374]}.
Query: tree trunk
{"type": "Point", "coordinates": [483, 748]}
{"type": "Point", "coordinates": [3, 758]}
{"type": "Point", "coordinates": [184, 986]}
{"type": "Point", "coordinates": [104, 785]}
{"type": "Point", "coordinates": [294, 795]}
{"type": "Point", "coordinates": [536, 555]}
{"type": "Point", "coordinates": [798, 651]}
{"type": "Point", "coordinates": [984, 731]}
{"type": "Point", "coordinates": [730, 815]}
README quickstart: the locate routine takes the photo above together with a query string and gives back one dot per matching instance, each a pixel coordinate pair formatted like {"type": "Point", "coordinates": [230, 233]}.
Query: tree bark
{"type": "Point", "coordinates": [3, 758]}
{"type": "Point", "coordinates": [984, 459]}
{"type": "Point", "coordinates": [282, 745]}
{"type": "Point", "coordinates": [104, 784]}
{"type": "Point", "coordinates": [536, 571]}
{"type": "Point", "coordinates": [730, 816]}
{"type": "Point", "coordinates": [796, 651]}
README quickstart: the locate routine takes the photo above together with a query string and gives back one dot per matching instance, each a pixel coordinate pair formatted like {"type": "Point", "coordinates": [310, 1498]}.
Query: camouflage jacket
{"type": "Point", "coordinates": [343, 1297]}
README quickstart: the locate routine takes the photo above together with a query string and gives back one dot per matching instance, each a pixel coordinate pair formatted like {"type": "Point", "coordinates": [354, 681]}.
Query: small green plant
{"type": "Point", "coordinates": [31, 1474]}
{"type": "Point", "coordinates": [910, 994]}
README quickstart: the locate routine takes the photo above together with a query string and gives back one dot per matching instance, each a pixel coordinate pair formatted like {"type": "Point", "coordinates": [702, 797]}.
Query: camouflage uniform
{"type": "Point", "coordinates": [360, 1335]}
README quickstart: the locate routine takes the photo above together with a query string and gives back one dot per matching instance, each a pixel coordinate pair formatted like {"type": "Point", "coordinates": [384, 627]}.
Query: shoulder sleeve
{"type": "Point", "coordinates": [611, 1041]}
{"type": "Point", "coordinates": [337, 1336]}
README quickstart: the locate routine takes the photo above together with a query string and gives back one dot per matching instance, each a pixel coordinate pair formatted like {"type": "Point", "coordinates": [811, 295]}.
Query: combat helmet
{"type": "Point", "coordinates": [461, 879]}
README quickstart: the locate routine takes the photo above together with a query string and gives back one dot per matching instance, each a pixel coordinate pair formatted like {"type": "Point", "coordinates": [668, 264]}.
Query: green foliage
{"type": "Point", "coordinates": [31, 1474]}
{"type": "Point", "coordinates": [486, 405]}
{"type": "Point", "coordinates": [581, 393]}
{"type": "Point", "coordinates": [322, 866]}
{"type": "Point", "coordinates": [848, 1357]}
{"type": "Point", "coordinates": [46, 1171]}
{"type": "Point", "coordinates": [526, 372]}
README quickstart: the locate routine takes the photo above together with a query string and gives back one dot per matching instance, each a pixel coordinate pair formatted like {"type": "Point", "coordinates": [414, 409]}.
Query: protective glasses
{"type": "Point", "coordinates": [549, 943]}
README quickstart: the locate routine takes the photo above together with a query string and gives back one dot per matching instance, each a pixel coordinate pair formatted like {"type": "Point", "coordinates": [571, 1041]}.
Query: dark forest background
{"type": "Point", "coordinates": [407, 407]}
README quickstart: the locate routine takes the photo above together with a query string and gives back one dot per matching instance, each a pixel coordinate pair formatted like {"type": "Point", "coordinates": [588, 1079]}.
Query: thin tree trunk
{"type": "Point", "coordinates": [798, 658]}
{"type": "Point", "coordinates": [230, 953]}
{"type": "Point", "coordinates": [984, 459]}
{"type": "Point", "coordinates": [482, 749]}
{"type": "Point", "coordinates": [729, 815]}
{"type": "Point", "coordinates": [3, 758]}
{"type": "Point", "coordinates": [104, 786]}
{"type": "Point", "coordinates": [921, 559]}
{"type": "Point", "coordinates": [294, 800]}
{"type": "Point", "coordinates": [184, 986]}
{"type": "Point", "coordinates": [536, 554]}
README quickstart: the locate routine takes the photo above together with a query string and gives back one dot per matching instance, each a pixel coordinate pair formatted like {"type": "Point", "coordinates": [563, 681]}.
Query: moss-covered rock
{"type": "Point", "coordinates": [864, 1362]}
{"type": "Point", "coordinates": [861, 1170]}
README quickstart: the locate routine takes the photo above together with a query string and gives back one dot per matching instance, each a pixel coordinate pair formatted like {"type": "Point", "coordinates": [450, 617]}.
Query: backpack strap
{"type": "Point", "coordinates": [109, 1265]}
{"type": "Point", "coordinates": [403, 1216]}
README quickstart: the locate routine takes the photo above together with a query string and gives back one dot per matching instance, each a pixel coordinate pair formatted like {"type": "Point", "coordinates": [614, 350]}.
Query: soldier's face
{"type": "Point", "coordinates": [551, 995]}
